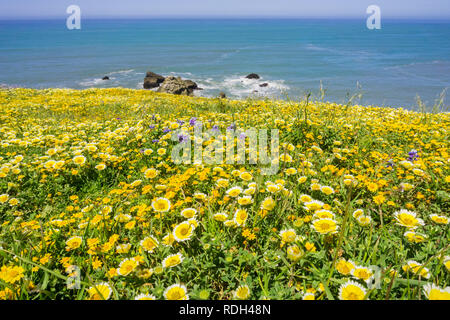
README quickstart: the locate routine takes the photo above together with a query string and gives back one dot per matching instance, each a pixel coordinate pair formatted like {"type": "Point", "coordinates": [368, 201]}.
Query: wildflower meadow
{"type": "Point", "coordinates": [92, 205]}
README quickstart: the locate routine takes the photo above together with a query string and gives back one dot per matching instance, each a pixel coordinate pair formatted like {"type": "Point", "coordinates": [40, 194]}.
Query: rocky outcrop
{"type": "Point", "coordinates": [253, 76]}
{"type": "Point", "coordinates": [105, 78]}
{"type": "Point", "coordinates": [222, 95]}
{"type": "Point", "coordinates": [153, 80]}
{"type": "Point", "coordinates": [263, 85]}
{"type": "Point", "coordinates": [178, 86]}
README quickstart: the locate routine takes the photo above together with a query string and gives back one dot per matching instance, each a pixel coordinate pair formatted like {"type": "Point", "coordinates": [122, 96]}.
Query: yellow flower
{"type": "Point", "coordinates": [433, 292]}
{"type": "Point", "coordinates": [73, 243]}
{"type": "Point", "coordinates": [288, 235]}
{"type": "Point", "coordinates": [327, 190]}
{"type": "Point", "coordinates": [246, 176]}
{"type": "Point", "coordinates": [161, 205]}
{"type": "Point", "coordinates": [364, 221]}
{"type": "Point", "coordinates": [13, 202]}
{"type": "Point", "coordinates": [310, 247]}
{"type": "Point", "coordinates": [168, 240]}
{"type": "Point", "coordinates": [221, 217]}
{"type": "Point", "coordinates": [176, 292]}
{"type": "Point", "coordinates": [302, 179]}
{"type": "Point", "coordinates": [379, 199]}
{"type": "Point", "coordinates": [362, 273]}
{"type": "Point", "coordinates": [308, 296]}
{"type": "Point", "coordinates": [416, 268]}
{"type": "Point", "coordinates": [234, 192]}
{"type": "Point", "coordinates": [345, 267]}
{"type": "Point", "coordinates": [127, 266]}
{"type": "Point", "coordinates": [351, 290]}
{"type": "Point", "coordinates": [101, 291]}
{"type": "Point", "coordinates": [372, 187]}
{"type": "Point", "coordinates": [11, 274]}
{"type": "Point", "coordinates": [172, 260]}
{"type": "Point", "coordinates": [323, 214]}
{"type": "Point", "coordinates": [240, 217]}
{"type": "Point", "coordinates": [245, 200]}
{"type": "Point", "coordinates": [305, 198]}
{"type": "Point", "coordinates": [145, 297]}
{"type": "Point", "coordinates": [183, 231]}
{"type": "Point", "coordinates": [242, 292]}
{"type": "Point", "coordinates": [189, 213]}
{"type": "Point", "coordinates": [325, 226]}
{"type": "Point", "coordinates": [439, 219]}
{"type": "Point", "coordinates": [447, 263]}
{"type": "Point", "coordinates": [414, 237]}
{"type": "Point", "coordinates": [150, 173]}
{"type": "Point", "coordinates": [290, 171]}
{"type": "Point", "coordinates": [268, 204]}
{"type": "Point", "coordinates": [100, 166]}
{"type": "Point", "coordinates": [407, 219]}
{"type": "Point", "coordinates": [79, 160]}
{"type": "Point", "coordinates": [294, 253]}
{"type": "Point", "coordinates": [149, 244]}
{"type": "Point", "coordinates": [3, 198]}
{"type": "Point", "coordinates": [313, 205]}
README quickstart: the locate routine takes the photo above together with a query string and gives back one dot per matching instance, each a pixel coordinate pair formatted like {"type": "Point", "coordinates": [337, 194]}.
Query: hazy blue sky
{"type": "Point", "coordinates": [214, 8]}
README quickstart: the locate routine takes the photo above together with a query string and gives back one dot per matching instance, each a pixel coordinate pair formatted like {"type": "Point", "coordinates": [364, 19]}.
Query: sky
{"type": "Point", "coordinates": [427, 9]}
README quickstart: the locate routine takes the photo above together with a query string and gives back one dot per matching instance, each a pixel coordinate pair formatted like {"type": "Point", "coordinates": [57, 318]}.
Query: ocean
{"type": "Point", "coordinates": [389, 67]}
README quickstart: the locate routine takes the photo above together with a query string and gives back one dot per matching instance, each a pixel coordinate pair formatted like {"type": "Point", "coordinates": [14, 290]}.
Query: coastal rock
{"type": "Point", "coordinates": [222, 95]}
{"type": "Point", "coordinates": [253, 76]}
{"type": "Point", "coordinates": [153, 80]}
{"type": "Point", "coordinates": [263, 85]}
{"type": "Point", "coordinates": [105, 78]}
{"type": "Point", "coordinates": [178, 86]}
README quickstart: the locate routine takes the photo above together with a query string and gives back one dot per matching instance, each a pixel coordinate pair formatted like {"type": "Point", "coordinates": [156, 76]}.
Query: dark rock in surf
{"type": "Point", "coordinates": [153, 80]}
{"type": "Point", "coordinates": [253, 76]}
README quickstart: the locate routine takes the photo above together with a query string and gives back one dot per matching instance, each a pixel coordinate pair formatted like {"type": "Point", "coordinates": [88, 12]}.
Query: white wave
{"type": "Point", "coordinates": [91, 82]}
{"type": "Point", "coordinates": [120, 72]}
{"type": "Point", "coordinates": [240, 87]}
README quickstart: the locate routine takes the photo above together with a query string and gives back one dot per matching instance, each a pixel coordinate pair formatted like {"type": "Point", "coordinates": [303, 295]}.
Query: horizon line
{"type": "Point", "coordinates": [205, 17]}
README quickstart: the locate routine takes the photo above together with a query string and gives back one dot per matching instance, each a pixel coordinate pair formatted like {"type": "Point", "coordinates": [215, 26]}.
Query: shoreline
{"type": "Point", "coordinates": [312, 100]}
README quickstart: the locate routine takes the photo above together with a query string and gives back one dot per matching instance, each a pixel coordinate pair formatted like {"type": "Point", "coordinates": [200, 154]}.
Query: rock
{"type": "Point", "coordinates": [150, 83]}
{"type": "Point", "coordinates": [222, 95]}
{"type": "Point", "coordinates": [153, 80]}
{"type": "Point", "coordinates": [191, 84]}
{"type": "Point", "coordinates": [178, 86]}
{"type": "Point", "coordinates": [253, 76]}
{"type": "Point", "coordinates": [263, 85]}
{"type": "Point", "coordinates": [105, 78]}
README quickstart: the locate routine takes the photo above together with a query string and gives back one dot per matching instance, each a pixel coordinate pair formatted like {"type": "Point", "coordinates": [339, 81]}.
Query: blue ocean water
{"type": "Point", "coordinates": [388, 66]}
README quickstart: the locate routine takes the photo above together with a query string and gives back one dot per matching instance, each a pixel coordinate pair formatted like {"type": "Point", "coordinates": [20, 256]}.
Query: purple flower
{"type": "Point", "coordinates": [166, 130]}
{"type": "Point", "coordinates": [192, 121]}
{"type": "Point", "coordinates": [242, 136]}
{"type": "Point", "coordinates": [413, 155]}
{"type": "Point", "coordinates": [155, 140]}
{"type": "Point", "coordinates": [232, 127]}
{"type": "Point", "coordinates": [182, 138]}
{"type": "Point", "coordinates": [180, 122]}
{"type": "Point", "coordinates": [390, 164]}
{"type": "Point", "coordinates": [152, 126]}
{"type": "Point", "coordinates": [215, 127]}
